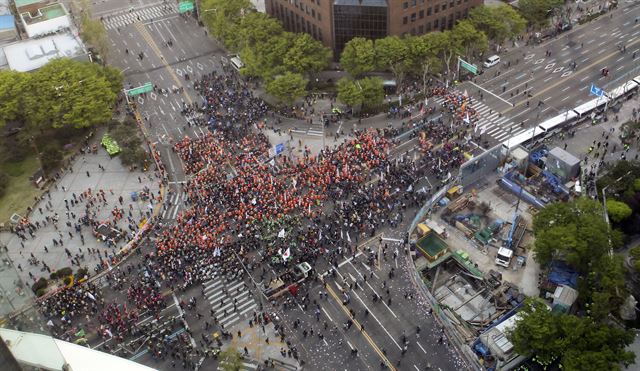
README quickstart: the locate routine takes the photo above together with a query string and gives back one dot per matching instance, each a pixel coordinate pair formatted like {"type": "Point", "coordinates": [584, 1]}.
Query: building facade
{"type": "Point", "coordinates": [335, 22]}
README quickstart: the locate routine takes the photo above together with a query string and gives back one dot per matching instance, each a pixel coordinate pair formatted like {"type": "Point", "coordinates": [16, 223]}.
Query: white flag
{"type": "Point", "coordinates": [287, 254]}
{"type": "Point", "coordinates": [217, 252]}
{"type": "Point", "coordinates": [281, 234]}
{"type": "Point", "coordinates": [348, 237]}
{"type": "Point", "coordinates": [483, 129]}
{"type": "Point", "coordinates": [466, 119]}
{"type": "Point", "coordinates": [254, 201]}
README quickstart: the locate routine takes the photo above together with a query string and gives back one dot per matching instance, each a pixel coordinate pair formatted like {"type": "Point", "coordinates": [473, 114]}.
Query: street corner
{"type": "Point", "coordinates": [259, 342]}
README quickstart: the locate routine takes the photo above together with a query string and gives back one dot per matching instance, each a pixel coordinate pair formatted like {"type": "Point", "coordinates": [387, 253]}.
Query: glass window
{"type": "Point", "coordinates": [429, 11]}
{"type": "Point", "coordinates": [319, 16]}
{"type": "Point", "coordinates": [404, 20]}
{"type": "Point", "coordinates": [413, 2]}
{"type": "Point", "coordinates": [444, 6]}
{"type": "Point", "coordinates": [421, 1]}
{"type": "Point", "coordinates": [436, 10]}
{"type": "Point", "coordinates": [451, 4]}
{"type": "Point", "coordinates": [413, 17]}
{"type": "Point", "coordinates": [428, 26]}
{"type": "Point", "coordinates": [420, 29]}
{"type": "Point", "coordinates": [405, 5]}
{"type": "Point", "coordinates": [421, 14]}
{"type": "Point", "coordinates": [351, 21]}
{"type": "Point", "coordinates": [313, 13]}
{"type": "Point", "coordinates": [435, 24]}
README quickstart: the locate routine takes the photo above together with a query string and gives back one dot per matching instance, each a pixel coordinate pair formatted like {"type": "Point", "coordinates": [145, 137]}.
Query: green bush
{"type": "Point", "coordinates": [40, 292]}
{"type": "Point", "coordinates": [53, 275]}
{"type": "Point", "coordinates": [81, 273]}
{"type": "Point", "coordinates": [64, 272]}
{"type": "Point", "coordinates": [51, 158]}
{"type": "Point", "coordinates": [40, 284]}
{"type": "Point", "coordinates": [67, 280]}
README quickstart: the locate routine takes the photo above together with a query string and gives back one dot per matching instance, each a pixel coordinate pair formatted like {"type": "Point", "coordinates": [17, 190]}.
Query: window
{"type": "Point", "coordinates": [413, 2]}
{"type": "Point", "coordinates": [436, 10]}
{"type": "Point", "coordinates": [428, 26]}
{"type": "Point", "coordinates": [443, 23]}
{"type": "Point", "coordinates": [296, 3]}
{"type": "Point", "coordinates": [413, 17]}
{"type": "Point", "coordinates": [421, 1]}
{"type": "Point", "coordinates": [466, 12]}
{"type": "Point", "coordinates": [420, 29]}
{"type": "Point", "coordinates": [459, 2]}
{"type": "Point", "coordinates": [404, 20]}
{"type": "Point", "coordinates": [457, 15]}
{"type": "Point", "coordinates": [421, 14]}
{"type": "Point", "coordinates": [413, 31]}
{"type": "Point", "coordinates": [405, 5]}
{"type": "Point", "coordinates": [319, 16]}
{"type": "Point", "coordinates": [313, 13]}
{"type": "Point", "coordinates": [444, 6]}
{"type": "Point", "coordinates": [435, 24]}
{"type": "Point", "coordinates": [320, 34]}
{"type": "Point", "coordinates": [429, 11]}
{"type": "Point", "coordinates": [451, 4]}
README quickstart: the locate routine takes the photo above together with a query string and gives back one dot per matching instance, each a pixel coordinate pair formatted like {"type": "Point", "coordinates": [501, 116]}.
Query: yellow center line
{"type": "Point", "coordinates": [561, 81]}
{"type": "Point", "coordinates": [147, 36]}
{"type": "Point", "coordinates": [358, 325]}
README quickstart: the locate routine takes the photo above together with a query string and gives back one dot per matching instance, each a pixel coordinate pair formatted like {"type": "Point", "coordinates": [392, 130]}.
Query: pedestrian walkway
{"type": "Point", "coordinates": [314, 130]}
{"type": "Point", "coordinates": [491, 122]}
{"type": "Point", "coordinates": [246, 366]}
{"type": "Point", "coordinates": [173, 205]}
{"type": "Point", "coordinates": [230, 300]}
{"type": "Point", "coordinates": [138, 15]}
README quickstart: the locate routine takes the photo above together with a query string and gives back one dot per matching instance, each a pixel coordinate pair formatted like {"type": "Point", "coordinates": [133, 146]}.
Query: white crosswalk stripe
{"type": "Point", "coordinates": [137, 15]}
{"type": "Point", "coordinates": [246, 366]}
{"type": "Point", "coordinates": [229, 300]}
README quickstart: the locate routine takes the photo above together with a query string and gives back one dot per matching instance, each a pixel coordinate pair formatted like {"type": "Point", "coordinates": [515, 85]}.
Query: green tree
{"type": "Point", "coordinates": [349, 92]}
{"type": "Point", "coordinates": [391, 53]}
{"type": "Point", "coordinates": [538, 12]}
{"type": "Point", "coordinates": [95, 35]}
{"type": "Point", "coordinates": [574, 231]}
{"type": "Point", "coordinates": [13, 86]}
{"type": "Point", "coordinates": [470, 39]}
{"type": "Point", "coordinates": [498, 22]}
{"type": "Point", "coordinates": [423, 57]}
{"type": "Point", "coordinates": [254, 29]}
{"type": "Point", "coordinates": [306, 55]}
{"type": "Point", "coordinates": [223, 18]}
{"type": "Point", "coordinates": [579, 342]}
{"type": "Point", "coordinates": [68, 93]}
{"type": "Point", "coordinates": [230, 360]}
{"type": "Point", "coordinates": [372, 91]}
{"type": "Point", "coordinates": [537, 332]}
{"type": "Point", "coordinates": [266, 60]}
{"type": "Point", "coordinates": [358, 56]}
{"type": "Point", "coordinates": [287, 87]}
{"type": "Point", "coordinates": [618, 211]}
{"type": "Point", "coordinates": [51, 158]}
{"type": "Point", "coordinates": [447, 47]}
{"type": "Point", "coordinates": [112, 75]}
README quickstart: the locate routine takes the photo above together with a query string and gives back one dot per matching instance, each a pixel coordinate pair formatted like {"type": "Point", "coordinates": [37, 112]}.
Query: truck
{"type": "Point", "coordinates": [516, 232]}
{"type": "Point", "coordinates": [288, 281]}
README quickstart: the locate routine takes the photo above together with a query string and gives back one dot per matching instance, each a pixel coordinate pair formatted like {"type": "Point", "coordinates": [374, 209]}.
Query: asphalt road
{"type": "Point", "coordinates": [550, 78]}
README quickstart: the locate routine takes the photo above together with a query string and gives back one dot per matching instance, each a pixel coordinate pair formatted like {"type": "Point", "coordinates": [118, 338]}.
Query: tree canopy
{"type": "Point", "coordinates": [358, 56]}
{"type": "Point", "coordinates": [579, 343]}
{"type": "Point", "coordinates": [372, 91]}
{"type": "Point", "coordinates": [287, 87]}
{"type": "Point", "coordinates": [498, 22]}
{"type": "Point", "coordinates": [392, 53]}
{"type": "Point", "coordinates": [538, 12]}
{"type": "Point", "coordinates": [618, 211]}
{"type": "Point", "coordinates": [63, 93]}
{"type": "Point", "coordinates": [471, 40]}
{"type": "Point", "coordinates": [306, 55]}
{"type": "Point", "coordinates": [349, 92]}
{"type": "Point", "coordinates": [423, 56]}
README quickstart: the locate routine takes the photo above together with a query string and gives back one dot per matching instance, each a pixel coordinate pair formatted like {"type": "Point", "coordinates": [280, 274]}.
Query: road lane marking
{"type": "Point", "coordinates": [363, 332]}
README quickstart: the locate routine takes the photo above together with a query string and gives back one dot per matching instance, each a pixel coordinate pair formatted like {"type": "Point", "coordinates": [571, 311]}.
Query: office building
{"type": "Point", "coordinates": [335, 22]}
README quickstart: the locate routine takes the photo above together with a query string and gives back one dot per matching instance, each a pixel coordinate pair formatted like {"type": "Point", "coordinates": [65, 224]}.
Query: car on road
{"type": "Point", "coordinates": [491, 61]}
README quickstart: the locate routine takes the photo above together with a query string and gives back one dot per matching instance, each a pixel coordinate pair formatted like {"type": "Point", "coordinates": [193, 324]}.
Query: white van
{"type": "Point", "coordinates": [236, 62]}
{"type": "Point", "coordinates": [491, 61]}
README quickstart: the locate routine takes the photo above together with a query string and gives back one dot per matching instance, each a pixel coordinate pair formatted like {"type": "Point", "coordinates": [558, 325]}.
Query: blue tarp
{"type": "Point", "coordinates": [562, 274]}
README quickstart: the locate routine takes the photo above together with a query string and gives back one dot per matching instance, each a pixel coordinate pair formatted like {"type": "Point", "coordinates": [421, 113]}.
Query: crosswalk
{"type": "Point", "coordinates": [230, 300]}
{"type": "Point", "coordinates": [137, 15]}
{"type": "Point", "coordinates": [314, 130]}
{"type": "Point", "coordinates": [246, 366]}
{"type": "Point", "coordinates": [491, 122]}
{"type": "Point", "coordinates": [172, 205]}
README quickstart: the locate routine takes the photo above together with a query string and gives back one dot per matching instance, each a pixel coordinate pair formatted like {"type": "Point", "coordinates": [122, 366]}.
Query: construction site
{"type": "Point", "coordinates": [474, 250]}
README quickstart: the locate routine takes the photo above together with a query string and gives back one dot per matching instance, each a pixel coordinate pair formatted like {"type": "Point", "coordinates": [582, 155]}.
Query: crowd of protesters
{"type": "Point", "coordinates": [324, 204]}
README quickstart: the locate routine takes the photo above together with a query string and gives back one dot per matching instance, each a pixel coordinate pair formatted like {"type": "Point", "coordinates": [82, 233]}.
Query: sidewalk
{"type": "Point", "coordinates": [115, 180]}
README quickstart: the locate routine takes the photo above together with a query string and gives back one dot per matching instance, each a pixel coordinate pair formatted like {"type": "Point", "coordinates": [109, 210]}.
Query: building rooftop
{"type": "Point", "coordinates": [7, 22]}
{"type": "Point", "coordinates": [21, 3]}
{"type": "Point", "coordinates": [46, 20]}
{"type": "Point", "coordinates": [32, 54]}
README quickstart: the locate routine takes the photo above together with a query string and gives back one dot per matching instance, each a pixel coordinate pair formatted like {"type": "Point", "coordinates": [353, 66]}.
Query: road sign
{"type": "Point", "coordinates": [185, 6]}
{"type": "Point", "coordinates": [146, 88]}
{"type": "Point", "coordinates": [596, 91]}
{"type": "Point", "coordinates": [468, 66]}
{"type": "Point", "coordinates": [279, 148]}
